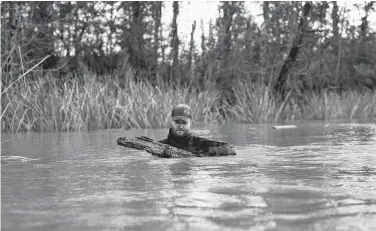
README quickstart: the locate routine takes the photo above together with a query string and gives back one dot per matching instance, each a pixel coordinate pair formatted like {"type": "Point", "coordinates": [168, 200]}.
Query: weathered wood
{"type": "Point", "coordinates": [154, 147]}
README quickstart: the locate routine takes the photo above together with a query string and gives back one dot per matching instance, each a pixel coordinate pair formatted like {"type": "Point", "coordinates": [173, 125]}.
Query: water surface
{"type": "Point", "coordinates": [320, 176]}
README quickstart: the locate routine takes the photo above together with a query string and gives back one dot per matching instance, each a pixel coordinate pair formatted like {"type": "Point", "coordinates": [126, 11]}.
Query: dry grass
{"type": "Point", "coordinates": [85, 104]}
{"type": "Point", "coordinates": [256, 104]}
{"type": "Point", "coordinates": [88, 104]}
{"type": "Point", "coordinates": [348, 105]}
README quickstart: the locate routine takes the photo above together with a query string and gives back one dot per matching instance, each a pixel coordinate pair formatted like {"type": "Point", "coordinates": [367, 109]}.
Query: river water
{"type": "Point", "coordinates": [319, 176]}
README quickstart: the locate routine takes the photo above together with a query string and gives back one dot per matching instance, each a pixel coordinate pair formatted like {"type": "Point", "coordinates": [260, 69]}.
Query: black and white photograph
{"type": "Point", "coordinates": [188, 115]}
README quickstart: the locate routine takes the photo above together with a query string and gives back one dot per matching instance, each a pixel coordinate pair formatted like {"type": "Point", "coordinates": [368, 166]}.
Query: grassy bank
{"type": "Point", "coordinates": [86, 104]}
{"type": "Point", "coordinates": [255, 104]}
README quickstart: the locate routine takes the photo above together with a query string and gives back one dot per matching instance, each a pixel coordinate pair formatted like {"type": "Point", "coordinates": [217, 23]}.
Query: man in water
{"type": "Point", "coordinates": [180, 136]}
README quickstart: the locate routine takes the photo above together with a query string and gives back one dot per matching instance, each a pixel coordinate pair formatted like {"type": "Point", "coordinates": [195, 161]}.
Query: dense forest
{"type": "Point", "coordinates": [97, 65]}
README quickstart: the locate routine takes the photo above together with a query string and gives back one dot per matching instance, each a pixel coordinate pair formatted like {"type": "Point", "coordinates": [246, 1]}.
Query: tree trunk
{"type": "Point", "coordinates": [175, 40]}
{"type": "Point", "coordinates": [280, 87]}
{"type": "Point", "coordinates": [261, 56]}
{"type": "Point", "coordinates": [203, 40]}
{"type": "Point", "coordinates": [9, 36]}
{"type": "Point", "coordinates": [157, 14]}
{"type": "Point", "coordinates": [135, 47]}
{"type": "Point", "coordinates": [228, 13]}
{"type": "Point", "coordinates": [191, 45]}
{"type": "Point", "coordinates": [265, 11]}
{"type": "Point", "coordinates": [163, 48]}
{"type": "Point", "coordinates": [335, 21]}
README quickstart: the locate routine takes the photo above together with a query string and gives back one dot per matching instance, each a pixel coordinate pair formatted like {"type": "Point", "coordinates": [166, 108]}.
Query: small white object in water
{"type": "Point", "coordinates": [15, 158]}
{"type": "Point", "coordinates": [284, 126]}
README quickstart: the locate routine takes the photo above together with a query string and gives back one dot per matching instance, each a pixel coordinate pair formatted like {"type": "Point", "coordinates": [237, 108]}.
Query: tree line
{"type": "Point", "coordinates": [299, 47]}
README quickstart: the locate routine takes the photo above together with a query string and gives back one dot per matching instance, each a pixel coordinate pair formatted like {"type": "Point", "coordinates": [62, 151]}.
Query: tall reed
{"type": "Point", "coordinates": [348, 105]}
{"type": "Point", "coordinates": [88, 104]}
{"type": "Point", "coordinates": [257, 104]}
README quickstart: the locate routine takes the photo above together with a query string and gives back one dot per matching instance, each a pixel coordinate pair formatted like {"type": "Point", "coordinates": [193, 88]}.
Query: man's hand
{"type": "Point", "coordinates": [223, 150]}
{"type": "Point", "coordinates": [166, 153]}
{"type": "Point", "coordinates": [215, 151]}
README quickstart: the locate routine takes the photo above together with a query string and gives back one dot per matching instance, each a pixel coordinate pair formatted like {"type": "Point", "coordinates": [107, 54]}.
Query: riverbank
{"type": "Point", "coordinates": [88, 103]}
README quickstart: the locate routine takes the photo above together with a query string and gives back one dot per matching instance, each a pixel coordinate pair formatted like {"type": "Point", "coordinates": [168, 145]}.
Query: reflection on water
{"type": "Point", "coordinates": [319, 176]}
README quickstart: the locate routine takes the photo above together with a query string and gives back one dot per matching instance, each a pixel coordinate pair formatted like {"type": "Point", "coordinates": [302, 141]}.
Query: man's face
{"type": "Point", "coordinates": [181, 127]}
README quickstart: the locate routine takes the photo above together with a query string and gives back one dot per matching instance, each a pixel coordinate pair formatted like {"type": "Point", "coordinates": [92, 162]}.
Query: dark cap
{"type": "Point", "coordinates": [181, 112]}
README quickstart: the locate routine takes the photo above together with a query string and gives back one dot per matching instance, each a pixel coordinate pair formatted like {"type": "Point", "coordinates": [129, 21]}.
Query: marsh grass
{"type": "Point", "coordinates": [348, 105]}
{"type": "Point", "coordinates": [87, 102]}
{"type": "Point", "coordinates": [256, 104]}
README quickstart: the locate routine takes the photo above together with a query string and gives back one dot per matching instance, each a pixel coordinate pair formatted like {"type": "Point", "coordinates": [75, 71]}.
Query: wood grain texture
{"type": "Point", "coordinates": [154, 147]}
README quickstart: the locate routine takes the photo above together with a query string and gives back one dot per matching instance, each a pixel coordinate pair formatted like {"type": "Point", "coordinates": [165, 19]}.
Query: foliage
{"type": "Point", "coordinates": [115, 64]}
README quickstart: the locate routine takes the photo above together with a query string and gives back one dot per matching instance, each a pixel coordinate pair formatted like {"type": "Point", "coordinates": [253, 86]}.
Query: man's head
{"type": "Point", "coordinates": [181, 119]}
